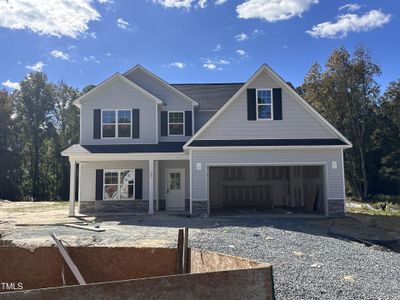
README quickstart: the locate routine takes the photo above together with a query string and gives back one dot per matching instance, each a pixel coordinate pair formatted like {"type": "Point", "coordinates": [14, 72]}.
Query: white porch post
{"type": "Point", "coordinates": [151, 186]}
{"type": "Point", "coordinates": [156, 183]}
{"type": "Point", "coordinates": [72, 189]}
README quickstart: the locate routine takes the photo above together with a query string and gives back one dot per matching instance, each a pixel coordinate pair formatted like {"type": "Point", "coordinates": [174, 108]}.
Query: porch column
{"type": "Point", "coordinates": [156, 183]}
{"type": "Point", "coordinates": [72, 177]}
{"type": "Point", "coordinates": [151, 186]}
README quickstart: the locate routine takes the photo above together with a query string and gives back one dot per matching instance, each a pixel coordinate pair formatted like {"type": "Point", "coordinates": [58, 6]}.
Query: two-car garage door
{"type": "Point", "coordinates": [294, 187]}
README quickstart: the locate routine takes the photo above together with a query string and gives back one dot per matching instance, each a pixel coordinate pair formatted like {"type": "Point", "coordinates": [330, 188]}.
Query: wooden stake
{"type": "Point", "coordinates": [68, 259]}
{"type": "Point", "coordinates": [179, 252]}
{"type": "Point", "coordinates": [186, 251]}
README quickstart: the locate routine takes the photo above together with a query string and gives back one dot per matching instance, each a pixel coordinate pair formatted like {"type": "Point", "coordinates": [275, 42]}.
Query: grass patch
{"type": "Point", "coordinates": [375, 209]}
{"type": "Point", "coordinates": [25, 207]}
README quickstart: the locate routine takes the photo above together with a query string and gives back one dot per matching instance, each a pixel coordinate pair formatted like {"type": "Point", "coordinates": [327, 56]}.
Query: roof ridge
{"type": "Point", "coordinates": [211, 83]}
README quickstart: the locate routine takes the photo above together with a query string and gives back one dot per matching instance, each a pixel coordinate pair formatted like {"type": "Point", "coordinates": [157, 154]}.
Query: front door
{"type": "Point", "coordinates": [175, 189]}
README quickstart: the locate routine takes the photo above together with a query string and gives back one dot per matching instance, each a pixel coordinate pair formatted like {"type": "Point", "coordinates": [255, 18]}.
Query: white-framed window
{"type": "Point", "coordinates": [176, 123]}
{"type": "Point", "coordinates": [119, 184]}
{"type": "Point", "coordinates": [264, 104]}
{"type": "Point", "coordinates": [116, 123]}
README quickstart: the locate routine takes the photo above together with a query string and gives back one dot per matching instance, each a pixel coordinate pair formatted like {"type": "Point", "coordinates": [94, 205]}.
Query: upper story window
{"type": "Point", "coordinates": [264, 104]}
{"type": "Point", "coordinates": [175, 123]}
{"type": "Point", "coordinates": [116, 123]}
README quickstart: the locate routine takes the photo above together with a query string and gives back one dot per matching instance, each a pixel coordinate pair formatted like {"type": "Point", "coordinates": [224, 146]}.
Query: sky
{"type": "Point", "coordinates": [84, 42]}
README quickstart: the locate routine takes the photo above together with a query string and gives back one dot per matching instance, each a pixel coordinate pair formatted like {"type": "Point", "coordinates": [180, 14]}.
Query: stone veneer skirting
{"type": "Point", "coordinates": [100, 206]}
{"type": "Point", "coordinates": [199, 208]}
{"type": "Point", "coordinates": [336, 207]}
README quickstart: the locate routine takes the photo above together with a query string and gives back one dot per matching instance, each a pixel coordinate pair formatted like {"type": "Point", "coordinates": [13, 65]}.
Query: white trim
{"type": "Point", "coordinates": [104, 83]}
{"type": "Point", "coordinates": [86, 157]}
{"type": "Point", "coordinates": [163, 82]}
{"type": "Point", "coordinates": [192, 120]}
{"type": "Point", "coordinates": [72, 182]}
{"type": "Point", "coordinates": [151, 186]}
{"type": "Point", "coordinates": [265, 104]}
{"type": "Point", "coordinates": [251, 148]}
{"type": "Point", "coordinates": [344, 184]}
{"type": "Point", "coordinates": [116, 123]}
{"type": "Point", "coordinates": [118, 171]}
{"type": "Point", "coordinates": [190, 181]}
{"type": "Point", "coordinates": [287, 88]}
{"type": "Point", "coordinates": [157, 123]}
{"type": "Point", "coordinates": [183, 123]}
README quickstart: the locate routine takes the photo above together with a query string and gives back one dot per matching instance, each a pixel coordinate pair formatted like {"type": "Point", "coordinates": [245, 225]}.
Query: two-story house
{"type": "Point", "coordinates": [147, 146]}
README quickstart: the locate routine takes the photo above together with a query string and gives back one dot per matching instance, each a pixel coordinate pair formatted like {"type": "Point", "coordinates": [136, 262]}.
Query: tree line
{"type": "Point", "coordinates": [38, 120]}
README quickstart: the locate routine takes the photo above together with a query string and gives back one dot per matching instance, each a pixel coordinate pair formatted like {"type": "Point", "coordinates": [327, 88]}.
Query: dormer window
{"type": "Point", "coordinates": [116, 123]}
{"type": "Point", "coordinates": [264, 104]}
{"type": "Point", "coordinates": [175, 123]}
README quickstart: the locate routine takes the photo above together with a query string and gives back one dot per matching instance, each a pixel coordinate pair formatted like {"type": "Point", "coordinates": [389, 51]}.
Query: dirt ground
{"type": "Point", "coordinates": [28, 224]}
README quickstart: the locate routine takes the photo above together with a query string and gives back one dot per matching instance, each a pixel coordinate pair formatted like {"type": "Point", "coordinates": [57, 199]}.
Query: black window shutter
{"type": "Point", "coordinates": [188, 123]}
{"type": "Point", "coordinates": [99, 185]}
{"type": "Point", "coordinates": [277, 103]}
{"type": "Point", "coordinates": [135, 123]}
{"type": "Point", "coordinates": [138, 183]}
{"type": "Point", "coordinates": [251, 104]}
{"type": "Point", "coordinates": [164, 123]}
{"type": "Point", "coordinates": [96, 123]}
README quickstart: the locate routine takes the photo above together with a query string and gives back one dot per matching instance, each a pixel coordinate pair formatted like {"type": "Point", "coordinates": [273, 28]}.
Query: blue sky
{"type": "Point", "coordinates": [84, 42]}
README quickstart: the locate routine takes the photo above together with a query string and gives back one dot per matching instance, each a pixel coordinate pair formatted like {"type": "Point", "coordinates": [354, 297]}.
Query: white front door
{"type": "Point", "coordinates": [175, 189]}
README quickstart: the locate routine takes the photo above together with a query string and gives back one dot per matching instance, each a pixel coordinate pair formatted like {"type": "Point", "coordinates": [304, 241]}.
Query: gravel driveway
{"type": "Point", "coordinates": [307, 264]}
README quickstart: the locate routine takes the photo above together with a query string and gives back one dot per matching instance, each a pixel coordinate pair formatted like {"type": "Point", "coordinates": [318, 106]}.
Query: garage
{"type": "Point", "coordinates": [292, 188]}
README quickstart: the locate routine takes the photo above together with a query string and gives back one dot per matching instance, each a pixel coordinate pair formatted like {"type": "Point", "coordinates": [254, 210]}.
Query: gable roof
{"type": "Point", "coordinates": [210, 96]}
{"type": "Point", "coordinates": [106, 82]}
{"type": "Point", "coordinates": [163, 82]}
{"type": "Point", "coordinates": [288, 88]}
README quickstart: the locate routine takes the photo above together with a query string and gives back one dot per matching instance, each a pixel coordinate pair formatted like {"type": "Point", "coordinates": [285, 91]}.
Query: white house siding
{"type": "Point", "coordinates": [119, 95]}
{"type": "Point", "coordinates": [207, 158]}
{"type": "Point", "coordinates": [174, 101]}
{"type": "Point", "coordinates": [172, 164]}
{"type": "Point", "coordinates": [297, 123]}
{"type": "Point", "coordinates": [87, 187]}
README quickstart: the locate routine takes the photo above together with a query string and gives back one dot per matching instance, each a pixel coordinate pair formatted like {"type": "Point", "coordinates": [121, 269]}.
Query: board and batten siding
{"type": "Point", "coordinates": [119, 95]}
{"type": "Point", "coordinates": [335, 188]}
{"type": "Point", "coordinates": [297, 122]}
{"type": "Point", "coordinates": [173, 100]}
{"type": "Point", "coordinates": [87, 186]}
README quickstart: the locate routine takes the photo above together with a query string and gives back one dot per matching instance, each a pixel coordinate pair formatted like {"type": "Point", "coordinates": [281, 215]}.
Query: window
{"type": "Point", "coordinates": [116, 123]}
{"type": "Point", "coordinates": [119, 184]}
{"type": "Point", "coordinates": [175, 123]}
{"type": "Point", "coordinates": [264, 104]}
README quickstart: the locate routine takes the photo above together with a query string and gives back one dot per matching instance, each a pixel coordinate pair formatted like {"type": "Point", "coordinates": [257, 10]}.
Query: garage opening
{"type": "Point", "coordinates": [295, 188]}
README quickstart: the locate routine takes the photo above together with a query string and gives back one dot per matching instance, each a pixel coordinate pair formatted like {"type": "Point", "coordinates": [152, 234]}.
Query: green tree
{"type": "Point", "coordinates": [34, 104]}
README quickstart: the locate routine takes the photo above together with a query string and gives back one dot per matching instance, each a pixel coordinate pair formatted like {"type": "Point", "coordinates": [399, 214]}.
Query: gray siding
{"type": "Point", "coordinates": [88, 177]}
{"type": "Point", "coordinates": [201, 118]}
{"type": "Point", "coordinates": [297, 122]}
{"type": "Point", "coordinates": [335, 186]}
{"type": "Point", "coordinates": [174, 101]}
{"type": "Point", "coordinates": [119, 95]}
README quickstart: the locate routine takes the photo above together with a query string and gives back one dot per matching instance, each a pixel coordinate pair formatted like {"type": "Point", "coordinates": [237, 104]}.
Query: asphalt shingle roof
{"type": "Point", "coordinates": [210, 96]}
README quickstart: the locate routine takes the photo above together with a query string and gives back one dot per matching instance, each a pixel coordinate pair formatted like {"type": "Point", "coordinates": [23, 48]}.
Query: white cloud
{"type": "Point", "coordinates": [349, 23]}
{"type": "Point", "coordinates": [38, 67]}
{"type": "Point", "coordinates": [241, 37]}
{"type": "Point", "coordinates": [242, 53]}
{"type": "Point", "coordinates": [350, 7]}
{"type": "Point", "coordinates": [217, 48]}
{"type": "Point", "coordinates": [11, 85]}
{"type": "Point", "coordinates": [273, 10]}
{"type": "Point", "coordinates": [56, 17]}
{"type": "Point", "coordinates": [121, 23]}
{"type": "Point", "coordinates": [187, 4]}
{"type": "Point", "coordinates": [223, 62]}
{"type": "Point", "coordinates": [177, 64]}
{"type": "Point", "coordinates": [60, 54]}
{"type": "Point", "coordinates": [209, 66]}
{"type": "Point", "coordinates": [91, 58]}
{"type": "Point", "coordinates": [105, 1]}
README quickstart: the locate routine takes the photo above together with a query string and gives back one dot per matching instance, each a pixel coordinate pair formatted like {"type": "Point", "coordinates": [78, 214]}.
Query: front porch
{"type": "Point", "coordinates": [130, 184]}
